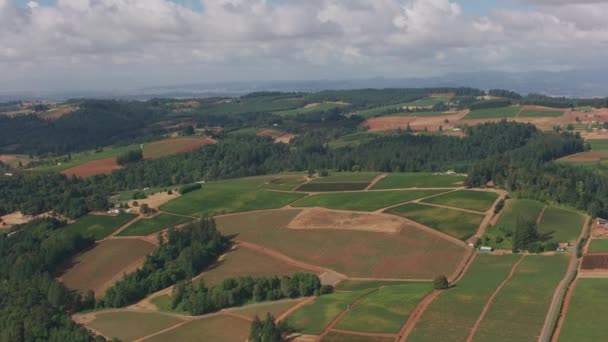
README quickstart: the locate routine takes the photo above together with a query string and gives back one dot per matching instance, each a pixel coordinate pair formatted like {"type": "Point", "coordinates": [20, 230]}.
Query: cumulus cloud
{"type": "Point", "coordinates": [100, 41]}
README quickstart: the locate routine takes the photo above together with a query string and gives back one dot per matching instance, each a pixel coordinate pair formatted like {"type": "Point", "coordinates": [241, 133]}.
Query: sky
{"type": "Point", "coordinates": [122, 44]}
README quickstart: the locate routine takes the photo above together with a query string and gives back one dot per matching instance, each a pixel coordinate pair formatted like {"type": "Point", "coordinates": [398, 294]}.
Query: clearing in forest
{"type": "Point", "coordinates": [459, 224]}
{"type": "Point", "coordinates": [147, 226]}
{"type": "Point", "coordinates": [586, 314]}
{"type": "Point", "coordinates": [411, 254]}
{"type": "Point", "coordinates": [219, 328]}
{"type": "Point", "coordinates": [99, 226]}
{"type": "Point", "coordinates": [385, 310]}
{"type": "Point", "coordinates": [522, 210]}
{"type": "Point", "coordinates": [520, 308]}
{"type": "Point", "coordinates": [466, 199]}
{"type": "Point", "coordinates": [129, 326]}
{"type": "Point", "coordinates": [561, 225]}
{"type": "Point", "coordinates": [451, 316]}
{"type": "Point", "coordinates": [364, 201]}
{"type": "Point", "coordinates": [102, 266]}
{"type": "Point", "coordinates": [418, 180]}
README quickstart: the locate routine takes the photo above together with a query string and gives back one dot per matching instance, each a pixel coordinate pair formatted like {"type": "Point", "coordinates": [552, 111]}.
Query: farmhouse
{"type": "Point", "coordinates": [601, 222]}
{"type": "Point", "coordinates": [486, 249]}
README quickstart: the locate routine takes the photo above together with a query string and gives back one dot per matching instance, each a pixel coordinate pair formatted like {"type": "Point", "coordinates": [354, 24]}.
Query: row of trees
{"type": "Point", "coordinates": [198, 299]}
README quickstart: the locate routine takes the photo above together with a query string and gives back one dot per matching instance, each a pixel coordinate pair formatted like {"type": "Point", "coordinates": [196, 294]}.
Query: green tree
{"type": "Point", "coordinates": [441, 282]}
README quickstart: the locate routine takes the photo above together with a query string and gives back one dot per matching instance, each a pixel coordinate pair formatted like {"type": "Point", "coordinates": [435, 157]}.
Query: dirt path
{"type": "Point", "coordinates": [563, 312]}
{"type": "Point", "coordinates": [337, 318]}
{"type": "Point", "coordinates": [412, 201]}
{"type": "Point", "coordinates": [415, 315]}
{"type": "Point", "coordinates": [360, 333]}
{"type": "Point", "coordinates": [375, 180]}
{"type": "Point", "coordinates": [237, 315]}
{"type": "Point", "coordinates": [294, 308]}
{"type": "Point", "coordinates": [540, 215]}
{"type": "Point", "coordinates": [123, 227]}
{"type": "Point", "coordinates": [489, 218]}
{"type": "Point", "coordinates": [449, 207]}
{"type": "Point", "coordinates": [463, 267]}
{"type": "Point", "coordinates": [491, 299]}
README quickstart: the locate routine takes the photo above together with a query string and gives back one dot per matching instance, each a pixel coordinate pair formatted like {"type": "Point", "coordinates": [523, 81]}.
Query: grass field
{"type": "Point", "coordinates": [368, 113]}
{"type": "Point", "coordinates": [598, 144]}
{"type": "Point", "coordinates": [521, 306]}
{"type": "Point", "coordinates": [346, 177]}
{"type": "Point", "coordinates": [561, 225]}
{"type": "Point", "coordinates": [326, 187]}
{"type": "Point", "coordinates": [364, 201]}
{"type": "Point", "coordinates": [284, 182]}
{"type": "Point", "coordinates": [494, 113]}
{"type": "Point", "coordinates": [321, 107]}
{"type": "Point", "coordinates": [99, 226]}
{"type": "Point", "coordinates": [216, 199]}
{"type": "Point", "coordinates": [540, 113]}
{"type": "Point", "coordinates": [338, 337]}
{"type": "Point", "coordinates": [385, 310]}
{"type": "Point", "coordinates": [216, 328]}
{"type": "Point", "coordinates": [523, 209]}
{"type": "Point", "coordinates": [418, 180]}
{"type": "Point", "coordinates": [472, 200]}
{"type": "Point", "coordinates": [453, 222]}
{"type": "Point", "coordinates": [147, 226]}
{"type": "Point", "coordinates": [453, 313]}
{"type": "Point", "coordinates": [586, 316]}
{"type": "Point", "coordinates": [99, 267]}
{"type": "Point", "coordinates": [583, 108]}
{"type": "Point", "coordinates": [314, 317]}
{"type": "Point", "coordinates": [598, 246]}
{"type": "Point", "coordinates": [261, 309]}
{"type": "Point", "coordinates": [428, 101]}
{"type": "Point", "coordinates": [355, 285]}
{"type": "Point", "coordinates": [410, 254]}
{"type": "Point", "coordinates": [129, 326]}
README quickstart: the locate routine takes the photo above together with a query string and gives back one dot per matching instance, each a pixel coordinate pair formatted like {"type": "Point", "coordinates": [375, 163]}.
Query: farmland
{"type": "Point", "coordinates": [129, 326]}
{"type": "Point", "coordinates": [99, 226]}
{"type": "Point", "coordinates": [598, 246]}
{"type": "Point", "coordinates": [312, 107]}
{"type": "Point", "coordinates": [363, 201]}
{"type": "Point", "coordinates": [472, 200]}
{"type": "Point", "coordinates": [516, 209]}
{"type": "Point", "coordinates": [586, 315]}
{"type": "Point", "coordinates": [528, 113]}
{"type": "Point", "coordinates": [326, 187]}
{"type": "Point", "coordinates": [355, 285]}
{"type": "Point", "coordinates": [428, 101]}
{"type": "Point", "coordinates": [418, 180]}
{"type": "Point", "coordinates": [453, 222]}
{"type": "Point", "coordinates": [561, 225]}
{"type": "Point", "coordinates": [284, 182]}
{"type": "Point", "coordinates": [385, 310]}
{"type": "Point", "coordinates": [598, 144]}
{"type": "Point", "coordinates": [521, 306]}
{"type": "Point", "coordinates": [218, 328]}
{"type": "Point", "coordinates": [453, 313]}
{"type": "Point", "coordinates": [338, 337]}
{"type": "Point", "coordinates": [100, 267]}
{"type": "Point", "coordinates": [147, 226]}
{"type": "Point", "coordinates": [494, 113]}
{"type": "Point", "coordinates": [275, 308]}
{"type": "Point", "coordinates": [412, 253]}
{"type": "Point", "coordinates": [593, 262]}
{"type": "Point", "coordinates": [346, 177]}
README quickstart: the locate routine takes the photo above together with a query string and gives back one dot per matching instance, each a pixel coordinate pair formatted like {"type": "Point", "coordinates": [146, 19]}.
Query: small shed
{"type": "Point", "coordinates": [486, 249]}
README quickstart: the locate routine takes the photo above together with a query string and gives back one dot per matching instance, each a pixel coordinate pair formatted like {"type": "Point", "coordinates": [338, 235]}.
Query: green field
{"type": "Point", "coordinates": [327, 187]}
{"type": "Point", "coordinates": [494, 113]}
{"type": "Point", "coordinates": [418, 180]}
{"type": "Point", "coordinates": [583, 108]}
{"type": "Point", "coordinates": [321, 107]}
{"type": "Point", "coordinates": [428, 101]}
{"type": "Point", "coordinates": [129, 326]}
{"type": "Point", "coordinates": [346, 177]}
{"type": "Point", "coordinates": [217, 199]}
{"type": "Point", "coordinates": [598, 246]}
{"type": "Point", "coordinates": [453, 222]}
{"type": "Point", "coordinates": [338, 337]}
{"type": "Point", "coordinates": [540, 113]}
{"type": "Point", "coordinates": [410, 254]}
{"type": "Point", "coordinates": [586, 315]}
{"type": "Point", "coordinates": [261, 309]}
{"type": "Point", "coordinates": [466, 199]}
{"type": "Point", "coordinates": [453, 313]}
{"type": "Point", "coordinates": [355, 285]}
{"type": "Point", "coordinates": [364, 201]}
{"type": "Point", "coordinates": [561, 225]}
{"type": "Point", "coordinates": [284, 182]}
{"type": "Point", "coordinates": [99, 226]}
{"type": "Point", "coordinates": [127, 195]}
{"type": "Point", "coordinates": [147, 226]}
{"type": "Point", "coordinates": [521, 306]}
{"type": "Point", "coordinates": [516, 209]}
{"type": "Point", "coordinates": [385, 310]}
{"type": "Point", "coordinates": [216, 328]}
{"type": "Point", "coordinates": [84, 157]}
{"type": "Point", "coordinates": [314, 317]}
{"type": "Point", "coordinates": [368, 113]}
{"type": "Point", "coordinates": [598, 144]}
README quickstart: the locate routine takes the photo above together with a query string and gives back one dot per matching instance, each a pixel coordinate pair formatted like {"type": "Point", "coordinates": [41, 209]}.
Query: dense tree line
{"type": "Point", "coordinates": [268, 330]}
{"type": "Point", "coordinates": [130, 157]}
{"type": "Point", "coordinates": [504, 93]}
{"type": "Point", "coordinates": [197, 299]}
{"type": "Point", "coordinates": [183, 255]}
{"type": "Point", "coordinates": [33, 306]}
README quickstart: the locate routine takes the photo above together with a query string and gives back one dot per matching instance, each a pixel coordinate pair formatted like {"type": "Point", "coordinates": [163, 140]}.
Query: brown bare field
{"type": "Point", "coordinates": [13, 160]}
{"type": "Point", "coordinates": [285, 138]}
{"type": "Point", "coordinates": [100, 267]}
{"type": "Point", "coordinates": [155, 200]}
{"type": "Point", "coordinates": [218, 328]}
{"type": "Point", "coordinates": [585, 157]}
{"type": "Point", "coordinates": [319, 218]}
{"type": "Point", "coordinates": [271, 132]}
{"type": "Point", "coordinates": [410, 254]}
{"type": "Point", "coordinates": [388, 123]}
{"type": "Point", "coordinates": [127, 326]}
{"type": "Point", "coordinates": [95, 167]}
{"type": "Point", "coordinates": [594, 262]}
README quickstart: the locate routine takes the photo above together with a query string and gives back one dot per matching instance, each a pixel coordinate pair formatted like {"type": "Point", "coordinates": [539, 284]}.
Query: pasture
{"type": "Point", "coordinates": [147, 226]}
{"type": "Point", "coordinates": [598, 144]}
{"type": "Point", "coordinates": [346, 177]}
{"type": "Point", "coordinates": [521, 306]}
{"type": "Point", "coordinates": [312, 318]}
{"type": "Point", "coordinates": [466, 199]}
{"type": "Point", "coordinates": [327, 187]}
{"type": "Point", "coordinates": [100, 267]}
{"type": "Point", "coordinates": [284, 182]}
{"type": "Point", "coordinates": [494, 113]}
{"type": "Point", "coordinates": [275, 308]}
{"type": "Point", "coordinates": [410, 254]}
{"type": "Point", "coordinates": [428, 101]}
{"type": "Point", "coordinates": [219, 328]}
{"type": "Point", "coordinates": [458, 224]}
{"type": "Point", "coordinates": [99, 226]}
{"type": "Point", "coordinates": [586, 315]}
{"type": "Point", "coordinates": [453, 313]}
{"type": "Point", "coordinates": [516, 209]}
{"type": "Point", "coordinates": [385, 310]}
{"type": "Point", "coordinates": [418, 180]}
{"type": "Point", "coordinates": [129, 326]}
{"type": "Point", "coordinates": [312, 107]}
{"type": "Point", "coordinates": [598, 246]}
{"type": "Point", "coordinates": [528, 113]}
{"type": "Point", "coordinates": [364, 201]}
{"type": "Point", "coordinates": [216, 199]}
{"type": "Point", "coordinates": [561, 225]}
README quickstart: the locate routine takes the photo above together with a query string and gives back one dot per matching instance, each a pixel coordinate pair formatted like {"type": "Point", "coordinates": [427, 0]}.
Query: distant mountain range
{"type": "Point", "coordinates": [579, 83]}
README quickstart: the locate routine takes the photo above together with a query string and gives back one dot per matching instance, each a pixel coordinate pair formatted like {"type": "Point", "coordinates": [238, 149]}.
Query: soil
{"type": "Point", "coordinates": [14, 218]}
{"type": "Point", "coordinates": [415, 315]}
{"type": "Point", "coordinates": [285, 138]}
{"type": "Point", "coordinates": [388, 123]}
{"type": "Point", "coordinates": [320, 218]}
{"type": "Point", "coordinates": [101, 166]}
{"type": "Point", "coordinates": [155, 200]}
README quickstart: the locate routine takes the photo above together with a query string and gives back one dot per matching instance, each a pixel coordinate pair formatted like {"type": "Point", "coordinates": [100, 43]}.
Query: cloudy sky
{"type": "Point", "coordinates": [116, 44]}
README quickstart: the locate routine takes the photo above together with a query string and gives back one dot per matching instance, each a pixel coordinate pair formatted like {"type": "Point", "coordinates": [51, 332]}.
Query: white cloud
{"type": "Point", "coordinates": [99, 41]}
